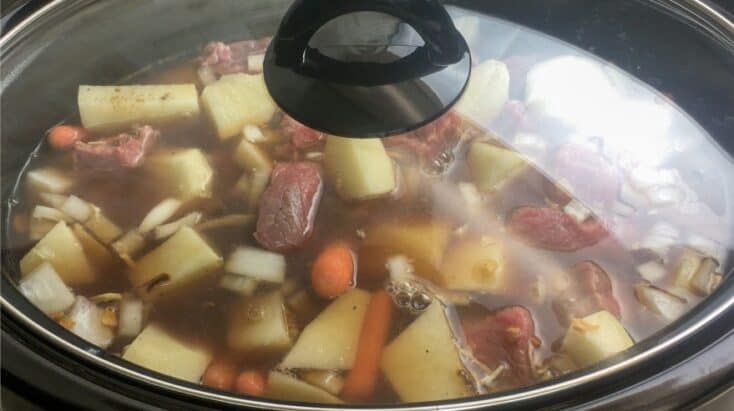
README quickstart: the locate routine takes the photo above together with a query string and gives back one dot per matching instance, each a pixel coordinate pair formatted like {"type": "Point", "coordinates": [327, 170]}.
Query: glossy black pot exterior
{"type": "Point", "coordinates": [685, 362]}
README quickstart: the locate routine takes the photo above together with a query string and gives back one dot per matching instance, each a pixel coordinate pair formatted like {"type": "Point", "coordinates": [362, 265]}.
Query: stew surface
{"type": "Point", "coordinates": [185, 223]}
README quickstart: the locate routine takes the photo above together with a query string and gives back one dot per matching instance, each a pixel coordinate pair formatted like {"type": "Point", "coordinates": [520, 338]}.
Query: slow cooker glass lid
{"type": "Point", "coordinates": [674, 168]}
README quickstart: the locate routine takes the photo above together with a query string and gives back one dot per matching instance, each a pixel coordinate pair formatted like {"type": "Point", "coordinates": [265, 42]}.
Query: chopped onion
{"type": "Point", "coordinates": [106, 298]}
{"type": "Point", "coordinates": [128, 246]}
{"type": "Point", "coordinates": [255, 63]}
{"type": "Point", "coordinates": [576, 210]}
{"type": "Point", "coordinates": [661, 302]}
{"type": "Point", "coordinates": [206, 75]}
{"type": "Point", "coordinates": [253, 134]}
{"type": "Point", "coordinates": [131, 317]}
{"type": "Point", "coordinates": [238, 284]}
{"type": "Point", "coordinates": [629, 195]}
{"type": "Point", "coordinates": [167, 230]}
{"type": "Point", "coordinates": [159, 214]}
{"type": "Point", "coordinates": [102, 227]}
{"type": "Point", "coordinates": [49, 180]}
{"type": "Point", "coordinates": [256, 263]}
{"type": "Point", "coordinates": [471, 196]}
{"type": "Point", "coordinates": [706, 246]}
{"type": "Point", "coordinates": [660, 238]}
{"type": "Point", "coordinates": [77, 209]}
{"type": "Point", "coordinates": [642, 178]}
{"type": "Point", "coordinates": [652, 271]}
{"type": "Point", "coordinates": [622, 209]}
{"type": "Point", "coordinates": [46, 290]}
{"type": "Point", "coordinates": [87, 323]}
{"type": "Point", "coordinates": [50, 214]}
{"type": "Point", "coordinates": [54, 200]}
{"type": "Point", "coordinates": [661, 196]}
{"type": "Point", "coordinates": [231, 220]}
{"type": "Point", "coordinates": [314, 155]}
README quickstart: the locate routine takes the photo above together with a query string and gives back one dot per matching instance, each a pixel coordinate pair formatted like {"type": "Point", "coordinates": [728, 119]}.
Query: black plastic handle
{"type": "Point", "coordinates": [443, 47]}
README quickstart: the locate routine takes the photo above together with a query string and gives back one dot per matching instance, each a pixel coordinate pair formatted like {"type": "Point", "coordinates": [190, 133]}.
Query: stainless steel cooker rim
{"type": "Point", "coordinates": [717, 24]}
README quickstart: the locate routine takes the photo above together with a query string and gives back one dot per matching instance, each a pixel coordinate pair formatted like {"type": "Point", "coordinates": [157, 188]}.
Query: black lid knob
{"type": "Point", "coordinates": [366, 90]}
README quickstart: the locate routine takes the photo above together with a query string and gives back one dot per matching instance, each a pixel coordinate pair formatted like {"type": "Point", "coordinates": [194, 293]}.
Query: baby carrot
{"type": "Point", "coordinates": [220, 374]}
{"type": "Point", "coordinates": [63, 137]}
{"type": "Point", "coordinates": [362, 379]}
{"type": "Point", "coordinates": [250, 382]}
{"type": "Point", "coordinates": [333, 271]}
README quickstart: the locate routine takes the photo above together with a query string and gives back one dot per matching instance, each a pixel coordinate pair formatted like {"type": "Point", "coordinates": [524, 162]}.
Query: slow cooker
{"type": "Point", "coordinates": [682, 48]}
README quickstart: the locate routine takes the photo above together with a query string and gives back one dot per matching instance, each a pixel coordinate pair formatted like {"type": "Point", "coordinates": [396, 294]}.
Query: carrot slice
{"type": "Point", "coordinates": [63, 137]}
{"type": "Point", "coordinates": [333, 271]}
{"type": "Point", "coordinates": [220, 374]}
{"type": "Point", "coordinates": [250, 382]}
{"type": "Point", "coordinates": [362, 379]}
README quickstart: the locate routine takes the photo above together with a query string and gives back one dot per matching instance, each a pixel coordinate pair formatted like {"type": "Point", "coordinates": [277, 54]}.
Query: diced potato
{"type": "Point", "coordinates": [102, 227]}
{"type": "Point", "coordinates": [282, 386]}
{"type": "Point", "coordinates": [185, 259]}
{"type": "Point", "coordinates": [237, 100]}
{"type": "Point", "coordinates": [359, 169]}
{"type": "Point", "coordinates": [329, 342]}
{"type": "Point", "coordinates": [49, 180]}
{"type": "Point", "coordinates": [423, 364]}
{"type": "Point", "coordinates": [486, 93]}
{"type": "Point", "coordinates": [251, 157]}
{"type": "Point", "coordinates": [475, 264]}
{"type": "Point", "coordinates": [491, 165]}
{"type": "Point", "coordinates": [185, 173]}
{"type": "Point", "coordinates": [259, 326]}
{"type": "Point", "coordinates": [257, 263]}
{"type": "Point", "coordinates": [99, 256]}
{"type": "Point", "coordinates": [45, 289]}
{"type": "Point", "coordinates": [423, 242]}
{"type": "Point", "coordinates": [594, 338]}
{"type": "Point", "coordinates": [159, 351]}
{"type": "Point", "coordinates": [65, 252]}
{"type": "Point", "coordinates": [109, 108]}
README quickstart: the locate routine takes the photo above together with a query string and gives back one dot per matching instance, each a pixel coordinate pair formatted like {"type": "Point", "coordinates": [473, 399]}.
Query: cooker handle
{"type": "Point", "coordinates": [443, 47]}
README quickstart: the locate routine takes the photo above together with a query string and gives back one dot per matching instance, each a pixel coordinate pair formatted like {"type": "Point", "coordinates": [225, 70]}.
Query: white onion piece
{"type": "Point", "coordinates": [77, 209]}
{"type": "Point", "coordinates": [471, 196]}
{"type": "Point", "coordinates": [159, 214]}
{"type": "Point", "coordinates": [576, 210]}
{"type": "Point", "coordinates": [662, 196]}
{"type": "Point", "coordinates": [130, 321]}
{"type": "Point", "coordinates": [621, 209]}
{"type": "Point", "coordinates": [643, 178]}
{"type": "Point", "coordinates": [54, 200]}
{"type": "Point", "coordinates": [48, 213]}
{"type": "Point", "coordinates": [167, 230]}
{"type": "Point", "coordinates": [238, 284]}
{"type": "Point", "coordinates": [206, 75]}
{"type": "Point", "coordinates": [253, 134]}
{"type": "Point", "coordinates": [630, 196]}
{"type": "Point", "coordinates": [128, 246]}
{"type": "Point", "coordinates": [661, 302]}
{"type": "Point", "coordinates": [49, 180]}
{"type": "Point", "coordinates": [46, 290]}
{"type": "Point", "coordinates": [706, 246]}
{"type": "Point", "coordinates": [660, 238]}
{"type": "Point", "coordinates": [87, 323]}
{"type": "Point", "coordinates": [231, 220]}
{"type": "Point", "coordinates": [256, 263]}
{"type": "Point", "coordinates": [652, 271]}
{"type": "Point", "coordinates": [255, 63]}
{"type": "Point", "coordinates": [706, 279]}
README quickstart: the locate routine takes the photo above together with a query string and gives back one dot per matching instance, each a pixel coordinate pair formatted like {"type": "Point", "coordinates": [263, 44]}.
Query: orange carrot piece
{"type": "Point", "coordinates": [333, 271]}
{"type": "Point", "coordinates": [250, 382]}
{"type": "Point", "coordinates": [220, 374]}
{"type": "Point", "coordinates": [63, 137]}
{"type": "Point", "coordinates": [362, 379]}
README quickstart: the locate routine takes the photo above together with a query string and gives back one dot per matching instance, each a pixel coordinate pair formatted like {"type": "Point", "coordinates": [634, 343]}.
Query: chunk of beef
{"type": "Point", "coordinates": [288, 206]}
{"type": "Point", "coordinates": [591, 177]}
{"type": "Point", "coordinates": [125, 150]}
{"type": "Point", "coordinates": [300, 135]}
{"type": "Point", "coordinates": [552, 229]}
{"type": "Point", "coordinates": [432, 139]}
{"type": "Point", "coordinates": [590, 291]}
{"type": "Point", "coordinates": [503, 338]}
{"type": "Point", "coordinates": [232, 58]}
